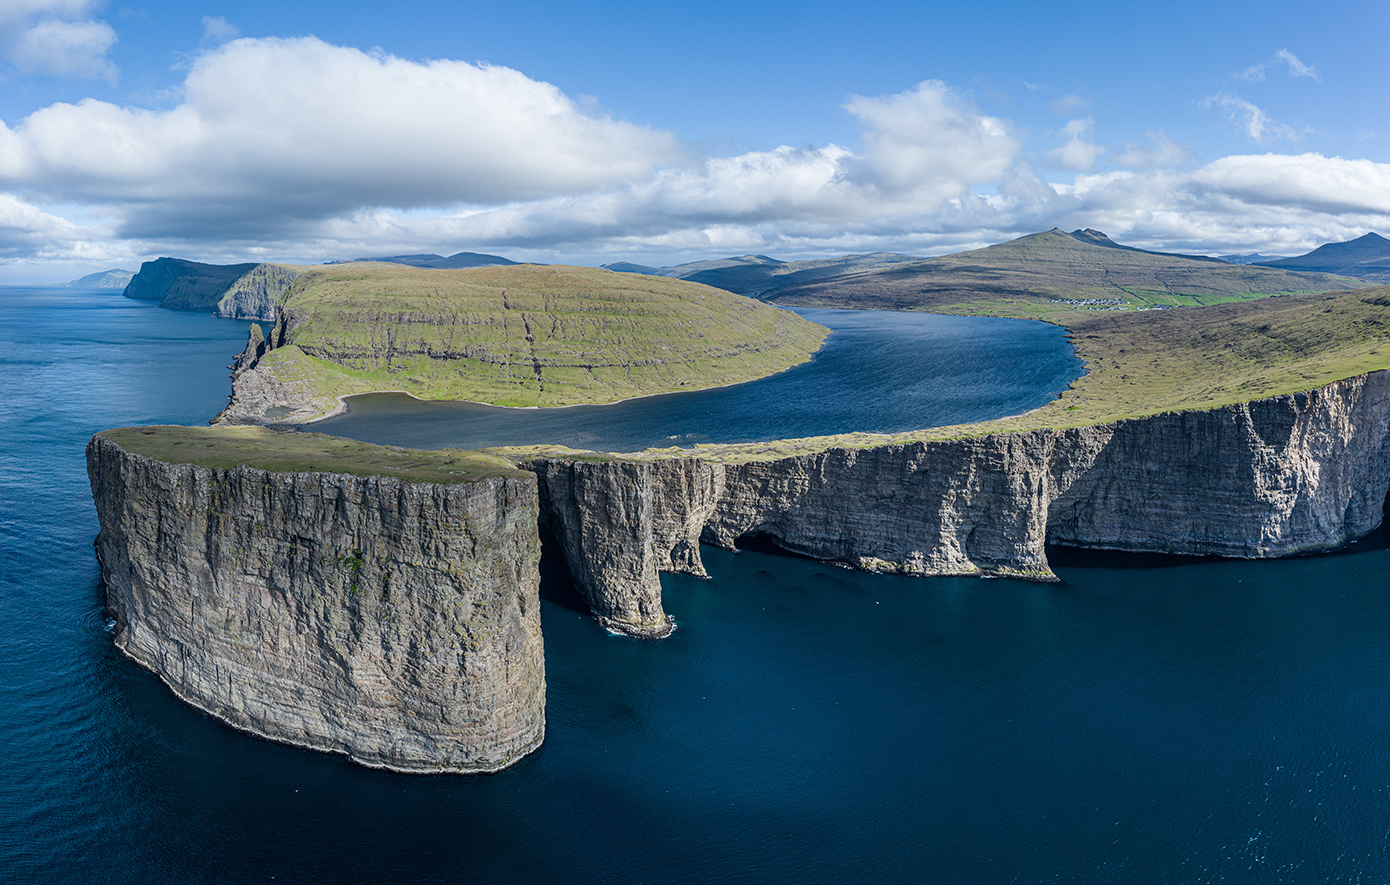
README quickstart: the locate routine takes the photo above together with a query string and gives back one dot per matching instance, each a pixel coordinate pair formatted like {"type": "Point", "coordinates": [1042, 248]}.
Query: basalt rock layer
{"type": "Point", "coordinates": [395, 621]}
{"type": "Point", "coordinates": [1289, 474]}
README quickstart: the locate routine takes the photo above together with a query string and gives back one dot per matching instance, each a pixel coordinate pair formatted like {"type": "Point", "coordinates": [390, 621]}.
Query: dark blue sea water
{"type": "Point", "coordinates": [1146, 720]}
{"type": "Point", "coordinates": [880, 372]}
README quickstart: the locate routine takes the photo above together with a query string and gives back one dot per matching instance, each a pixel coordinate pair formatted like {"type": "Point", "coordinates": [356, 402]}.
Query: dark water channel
{"type": "Point", "coordinates": [1147, 720]}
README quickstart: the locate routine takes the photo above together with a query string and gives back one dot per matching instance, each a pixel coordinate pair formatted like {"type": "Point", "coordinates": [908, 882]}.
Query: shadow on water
{"type": "Point", "coordinates": [1059, 556]}
{"type": "Point", "coordinates": [557, 586]}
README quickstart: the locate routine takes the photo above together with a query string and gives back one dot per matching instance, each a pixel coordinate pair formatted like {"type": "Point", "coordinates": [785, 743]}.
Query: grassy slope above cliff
{"type": "Point", "coordinates": [223, 448]}
{"type": "Point", "coordinates": [1150, 362]}
{"type": "Point", "coordinates": [1033, 276]}
{"type": "Point", "coordinates": [524, 335]}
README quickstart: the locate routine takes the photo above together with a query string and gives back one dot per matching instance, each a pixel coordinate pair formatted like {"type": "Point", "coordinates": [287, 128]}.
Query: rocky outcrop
{"type": "Point", "coordinates": [602, 514]}
{"type": "Point", "coordinates": [256, 294]}
{"type": "Point", "coordinates": [1279, 476]}
{"type": "Point", "coordinates": [395, 621]}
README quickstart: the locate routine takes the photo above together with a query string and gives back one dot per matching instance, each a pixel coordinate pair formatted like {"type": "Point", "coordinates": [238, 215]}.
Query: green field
{"type": "Point", "coordinates": [222, 448]}
{"type": "Point", "coordinates": [523, 335]}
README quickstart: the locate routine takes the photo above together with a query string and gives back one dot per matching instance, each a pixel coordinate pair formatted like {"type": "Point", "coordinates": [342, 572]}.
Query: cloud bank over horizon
{"type": "Point", "coordinates": [301, 150]}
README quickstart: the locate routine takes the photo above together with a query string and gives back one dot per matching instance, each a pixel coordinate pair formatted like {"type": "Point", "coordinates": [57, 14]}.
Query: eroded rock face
{"type": "Point", "coordinates": [1285, 475]}
{"type": "Point", "coordinates": [393, 621]}
{"type": "Point", "coordinates": [602, 513]}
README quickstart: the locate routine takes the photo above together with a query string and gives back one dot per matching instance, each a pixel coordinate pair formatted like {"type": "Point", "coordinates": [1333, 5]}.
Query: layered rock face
{"type": "Point", "coordinates": [621, 522]}
{"type": "Point", "coordinates": [1289, 474]}
{"type": "Point", "coordinates": [396, 622]}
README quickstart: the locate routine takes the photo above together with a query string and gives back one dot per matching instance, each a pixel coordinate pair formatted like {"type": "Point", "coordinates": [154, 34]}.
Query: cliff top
{"type": "Point", "coordinates": [223, 448]}
{"type": "Point", "coordinates": [522, 335]}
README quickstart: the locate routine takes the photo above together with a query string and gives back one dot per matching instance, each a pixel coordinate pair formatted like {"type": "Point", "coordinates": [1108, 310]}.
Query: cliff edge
{"type": "Point", "coordinates": [1284, 475]}
{"type": "Point", "coordinates": [393, 619]}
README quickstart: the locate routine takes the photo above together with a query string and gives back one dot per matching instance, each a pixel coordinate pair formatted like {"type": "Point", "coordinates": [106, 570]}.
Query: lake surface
{"type": "Point", "coordinates": [1146, 720]}
{"type": "Point", "coordinates": [880, 372]}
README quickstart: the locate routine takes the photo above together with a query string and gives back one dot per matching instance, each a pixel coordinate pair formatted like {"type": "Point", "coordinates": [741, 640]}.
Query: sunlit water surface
{"type": "Point", "coordinates": [1146, 720]}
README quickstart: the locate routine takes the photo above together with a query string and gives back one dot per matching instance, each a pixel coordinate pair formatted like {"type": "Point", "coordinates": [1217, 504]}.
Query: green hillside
{"type": "Point", "coordinates": [1055, 273]}
{"type": "Point", "coordinates": [523, 335]}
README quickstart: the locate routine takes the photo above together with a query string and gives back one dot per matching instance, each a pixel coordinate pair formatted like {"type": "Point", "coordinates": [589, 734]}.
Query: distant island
{"type": "Point", "coordinates": [102, 279]}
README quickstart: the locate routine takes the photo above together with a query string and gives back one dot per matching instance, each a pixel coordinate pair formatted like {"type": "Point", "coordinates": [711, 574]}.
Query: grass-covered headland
{"type": "Point", "coordinates": [522, 335]}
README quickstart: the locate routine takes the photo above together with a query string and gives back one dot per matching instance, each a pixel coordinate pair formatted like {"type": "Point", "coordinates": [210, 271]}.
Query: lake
{"type": "Point", "coordinates": [880, 372]}
{"type": "Point", "coordinates": [1148, 719]}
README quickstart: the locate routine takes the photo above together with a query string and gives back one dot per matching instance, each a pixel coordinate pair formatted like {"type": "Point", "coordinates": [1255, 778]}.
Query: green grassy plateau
{"type": "Point", "coordinates": [524, 335]}
{"type": "Point", "coordinates": [1051, 274]}
{"type": "Point", "coordinates": [223, 448]}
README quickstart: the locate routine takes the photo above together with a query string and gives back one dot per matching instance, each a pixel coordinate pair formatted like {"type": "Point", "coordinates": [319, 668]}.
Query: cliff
{"type": "Point", "coordinates": [396, 621]}
{"type": "Point", "coordinates": [234, 291]}
{"type": "Point", "coordinates": [1274, 477]}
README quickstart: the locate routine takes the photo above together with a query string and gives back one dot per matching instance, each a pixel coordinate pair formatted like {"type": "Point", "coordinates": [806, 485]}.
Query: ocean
{"type": "Point", "coordinates": [1148, 719]}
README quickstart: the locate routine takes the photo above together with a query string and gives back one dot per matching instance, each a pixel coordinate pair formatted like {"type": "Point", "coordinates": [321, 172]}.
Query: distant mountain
{"type": "Point", "coordinates": [760, 275]}
{"type": "Point", "coordinates": [103, 279]}
{"type": "Point", "coordinates": [1367, 258]}
{"type": "Point", "coordinates": [1053, 270]}
{"type": "Point", "coordinates": [629, 267]}
{"type": "Point", "coordinates": [1250, 258]}
{"type": "Point", "coordinates": [459, 259]}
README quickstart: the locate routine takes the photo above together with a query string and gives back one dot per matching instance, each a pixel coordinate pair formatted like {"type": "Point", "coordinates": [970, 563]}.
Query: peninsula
{"type": "Point", "coordinates": [521, 335]}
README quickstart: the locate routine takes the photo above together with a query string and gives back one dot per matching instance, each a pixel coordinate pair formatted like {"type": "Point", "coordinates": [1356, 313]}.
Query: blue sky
{"type": "Point", "coordinates": [661, 133]}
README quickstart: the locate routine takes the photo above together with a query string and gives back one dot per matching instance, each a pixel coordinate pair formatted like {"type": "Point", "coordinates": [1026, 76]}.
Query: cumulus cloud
{"type": "Point", "coordinates": [1079, 154]}
{"type": "Point", "coordinates": [300, 150]}
{"type": "Point", "coordinates": [57, 37]}
{"type": "Point", "coordinates": [273, 133]}
{"type": "Point", "coordinates": [1296, 68]}
{"type": "Point", "coordinates": [26, 231]}
{"type": "Point", "coordinates": [1258, 127]}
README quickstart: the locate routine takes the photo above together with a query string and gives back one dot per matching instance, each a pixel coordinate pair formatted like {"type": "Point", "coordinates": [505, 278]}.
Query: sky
{"type": "Point", "coordinates": [663, 133]}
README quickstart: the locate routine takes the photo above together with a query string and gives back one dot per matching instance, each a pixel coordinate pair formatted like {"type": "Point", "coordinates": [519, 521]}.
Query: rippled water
{"type": "Point", "coordinates": [1146, 720]}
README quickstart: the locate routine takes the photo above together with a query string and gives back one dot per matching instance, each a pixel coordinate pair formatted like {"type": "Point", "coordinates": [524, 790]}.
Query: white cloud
{"type": "Point", "coordinates": [57, 37]}
{"type": "Point", "coordinates": [1258, 127]}
{"type": "Point", "coordinates": [26, 231]}
{"type": "Point", "coordinates": [1079, 154]}
{"type": "Point", "coordinates": [296, 150]}
{"type": "Point", "coordinates": [275, 133]}
{"type": "Point", "coordinates": [1296, 68]}
{"type": "Point", "coordinates": [218, 30]}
